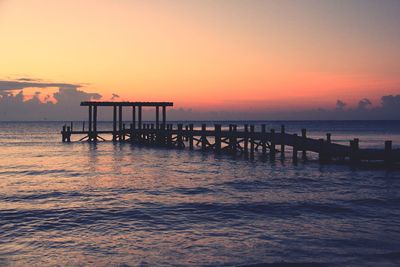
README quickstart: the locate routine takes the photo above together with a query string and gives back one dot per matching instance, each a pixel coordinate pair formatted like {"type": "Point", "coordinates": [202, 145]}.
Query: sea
{"type": "Point", "coordinates": [117, 204]}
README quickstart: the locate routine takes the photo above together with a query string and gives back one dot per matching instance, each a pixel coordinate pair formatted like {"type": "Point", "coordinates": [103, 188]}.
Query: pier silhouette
{"type": "Point", "coordinates": [247, 141]}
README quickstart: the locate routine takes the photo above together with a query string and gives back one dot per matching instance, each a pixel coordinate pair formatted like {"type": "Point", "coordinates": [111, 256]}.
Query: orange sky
{"type": "Point", "coordinates": [208, 54]}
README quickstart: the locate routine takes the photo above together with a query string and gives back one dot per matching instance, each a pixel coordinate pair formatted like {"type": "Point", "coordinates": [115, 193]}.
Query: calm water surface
{"type": "Point", "coordinates": [116, 204]}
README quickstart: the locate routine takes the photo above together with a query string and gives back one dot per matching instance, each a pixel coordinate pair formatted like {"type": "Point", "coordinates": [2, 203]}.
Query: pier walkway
{"type": "Point", "coordinates": [246, 141]}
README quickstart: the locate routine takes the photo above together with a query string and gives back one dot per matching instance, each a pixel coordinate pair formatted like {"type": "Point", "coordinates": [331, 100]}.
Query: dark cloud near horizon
{"type": "Point", "coordinates": [364, 104]}
{"type": "Point", "coordinates": [389, 109]}
{"type": "Point", "coordinates": [14, 106]}
{"type": "Point", "coordinates": [340, 105]}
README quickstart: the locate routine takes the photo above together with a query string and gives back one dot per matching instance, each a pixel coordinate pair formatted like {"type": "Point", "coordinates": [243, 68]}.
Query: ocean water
{"type": "Point", "coordinates": [106, 204]}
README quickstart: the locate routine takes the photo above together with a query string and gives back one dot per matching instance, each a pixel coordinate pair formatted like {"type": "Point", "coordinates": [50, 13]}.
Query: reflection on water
{"type": "Point", "coordinates": [105, 204]}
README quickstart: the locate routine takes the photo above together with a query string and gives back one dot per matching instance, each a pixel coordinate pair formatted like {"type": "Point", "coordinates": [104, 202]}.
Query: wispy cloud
{"type": "Point", "coordinates": [22, 83]}
{"type": "Point", "coordinates": [114, 96]}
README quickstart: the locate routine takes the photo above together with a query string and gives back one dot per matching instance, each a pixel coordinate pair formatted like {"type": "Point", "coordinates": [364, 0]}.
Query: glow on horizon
{"type": "Point", "coordinates": [208, 54]}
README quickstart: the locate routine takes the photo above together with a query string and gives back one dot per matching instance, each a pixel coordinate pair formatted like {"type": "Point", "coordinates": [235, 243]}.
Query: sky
{"type": "Point", "coordinates": [261, 57]}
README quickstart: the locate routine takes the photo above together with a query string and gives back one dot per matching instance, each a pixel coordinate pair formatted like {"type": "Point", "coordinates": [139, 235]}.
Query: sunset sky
{"type": "Point", "coordinates": [208, 54]}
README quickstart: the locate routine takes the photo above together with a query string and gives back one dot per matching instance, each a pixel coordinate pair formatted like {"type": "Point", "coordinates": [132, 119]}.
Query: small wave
{"type": "Point", "coordinates": [287, 264]}
{"type": "Point", "coordinates": [37, 196]}
{"type": "Point", "coordinates": [193, 191]}
{"type": "Point", "coordinates": [395, 255]}
{"type": "Point", "coordinates": [161, 215]}
{"type": "Point", "coordinates": [42, 172]}
{"type": "Point", "coordinates": [375, 202]}
{"type": "Point", "coordinates": [246, 185]}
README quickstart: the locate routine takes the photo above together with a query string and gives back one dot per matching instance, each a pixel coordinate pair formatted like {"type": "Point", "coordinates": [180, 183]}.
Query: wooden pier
{"type": "Point", "coordinates": [247, 141]}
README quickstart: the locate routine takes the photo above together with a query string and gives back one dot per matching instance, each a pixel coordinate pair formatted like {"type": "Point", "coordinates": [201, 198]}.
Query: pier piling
{"type": "Point", "coordinates": [282, 142]}
{"type": "Point", "coordinates": [303, 141]}
{"type": "Point", "coordinates": [295, 148]}
{"type": "Point", "coordinates": [252, 141]}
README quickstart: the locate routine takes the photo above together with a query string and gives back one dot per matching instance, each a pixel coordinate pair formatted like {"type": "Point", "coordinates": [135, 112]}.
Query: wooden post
{"type": "Point", "coordinates": [263, 140]}
{"type": "Point", "coordinates": [143, 132]}
{"type": "Point", "coordinates": [246, 140]}
{"type": "Point", "coordinates": [169, 135]}
{"type": "Point", "coordinates": [152, 133]}
{"type": "Point", "coordinates": [119, 118]}
{"type": "Point", "coordinates": [63, 134]}
{"type": "Point", "coordinates": [114, 123]}
{"type": "Point", "coordinates": [295, 148]}
{"type": "Point", "coordinates": [203, 137]}
{"type": "Point", "coordinates": [72, 126]}
{"type": "Point", "coordinates": [321, 154]}
{"type": "Point", "coordinates": [157, 117]}
{"type": "Point", "coordinates": [326, 147]}
{"type": "Point", "coordinates": [388, 152]}
{"type": "Point", "coordinates": [186, 133]}
{"type": "Point", "coordinates": [149, 125]}
{"type": "Point", "coordinates": [282, 141]}
{"type": "Point", "coordinates": [120, 123]}
{"type": "Point", "coordinates": [217, 128]}
{"type": "Point", "coordinates": [164, 114]}
{"type": "Point", "coordinates": [234, 139]}
{"type": "Point", "coordinates": [134, 117]}
{"type": "Point", "coordinates": [68, 134]}
{"type": "Point", "coordinates": [251, 141]}
{"type": "Point", "coordinates": [303, 141]}
{"type": "Point", "coordinates": [162, 134]}
{"type": "Point", "coordinates": [190, 136]}
{"type": "Point", "coordinates": [273, 143]}
{"type": "Point", "coordinates": [95, 122]}
{"type": "Point", "coordinates": [357, 148]}
{"type": "Point", "coordinates": [90, 120]}
{"type": "Point", "coordinates": [179, 138]}
{"type": "Point", "coordinates": [131, 131]}
{"type": "Point", "coordinates": [139, 117]}
{"type": "Point", "coordinates": [230, 138]}
{"type": "Point", "coordinates": [328, 138]}
{"type": "Point", "coordinates": [354, 150]}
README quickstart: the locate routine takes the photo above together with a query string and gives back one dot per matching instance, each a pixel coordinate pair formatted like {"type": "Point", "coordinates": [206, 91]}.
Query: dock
{"type": "Point", "coordinates": [247, 141]}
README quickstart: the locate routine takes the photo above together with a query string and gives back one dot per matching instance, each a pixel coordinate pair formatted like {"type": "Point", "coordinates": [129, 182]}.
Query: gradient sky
{"type": "Point", "coordinates": [208, 54]}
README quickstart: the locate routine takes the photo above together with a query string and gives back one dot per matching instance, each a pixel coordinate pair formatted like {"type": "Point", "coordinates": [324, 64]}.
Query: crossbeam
{"type": "Point", "coordinates": [126, 104]}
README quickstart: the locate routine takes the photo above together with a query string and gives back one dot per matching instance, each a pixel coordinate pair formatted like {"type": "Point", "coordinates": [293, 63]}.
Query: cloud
{"type": "Point", "coordinates": [364, 104]}
{"type": "Point", "coordinates": [27, 79]}
{"type": "Point", "coordinates": [23, 83]}
{"type": "Point", "coordinates": [14, 105]}
{"type": "Point", "coordinates": [68, 96]}
{"type": "Point", "coordinates": [340, 105]}
{"type": "Point", "coordinates": [114, 96]}
{"type": "Point", "coordinates": [390, 102]}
